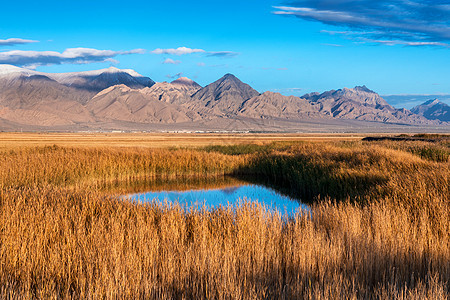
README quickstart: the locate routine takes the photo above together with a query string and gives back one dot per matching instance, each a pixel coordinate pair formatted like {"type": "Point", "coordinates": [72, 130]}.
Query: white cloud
{"type": "Point", "coordinates": [15, 41]}
{"type": "Point", "coordinates": [178, 75]}
{"type": "Point", "coordinates": [69, 56]}
{"type": "Point", "coordinates": [223, 53]}
{"type": "Point", "coordinates": [178, 51]}
{"type": "Point", "coordinates": [332, 45]}
{"type": "Point", "coordinates": [365, 37]}
{"type": "Point", "coordinates": [388, 22]}
{"type": "Point", "coordinates": [185, 50]}
{"type": "Point", "coordinates": [112, 61]}
{"type": "Point", "coordinates": [407, 43]}
{"type": "Point", "coordinates": [170, 61]}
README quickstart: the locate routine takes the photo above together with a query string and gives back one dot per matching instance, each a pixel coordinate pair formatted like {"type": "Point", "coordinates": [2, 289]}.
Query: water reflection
{"type": "Point", "coordinates": [156, 184]}
{"type": "Point", "coordinates": [224, 192]}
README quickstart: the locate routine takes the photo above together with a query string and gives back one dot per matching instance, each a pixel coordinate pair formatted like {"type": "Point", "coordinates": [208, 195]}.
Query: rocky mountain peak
{"type": "Point", "coordinates": [122, 88]}
{"type": "Point", "coordinates": [431, 102]}
{"type": "Point", "coordinates": [112, 70]}
{"type": "Point", "coordinates": [184, 81]}
{"type": "Point", "coordinates": [231, 79]}
{"type": "Point", "coordinates": [361, 103]}
{"type": "Point", "coordinates": [363, 88]}
{"type": "Point", "coordinates": [225, 95]}
{"type": "Point", "coordinates": [230, 76]}
{"type": "Point", "coordinates": [10, 71]}
{"type": "Point", "coordinates": [433, 109]}
{"type": "Point", "coordinates": [98, 80]}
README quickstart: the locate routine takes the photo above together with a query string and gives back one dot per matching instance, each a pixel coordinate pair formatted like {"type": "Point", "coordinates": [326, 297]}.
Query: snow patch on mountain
{"type": "Point", "coordinates": [10, 69]}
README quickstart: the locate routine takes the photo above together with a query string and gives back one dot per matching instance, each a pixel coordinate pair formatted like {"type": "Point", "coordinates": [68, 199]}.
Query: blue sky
{"type": "Point", "coordinates": [293, 47]}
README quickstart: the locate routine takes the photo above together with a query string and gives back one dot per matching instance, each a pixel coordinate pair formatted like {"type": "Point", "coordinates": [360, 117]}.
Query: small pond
{"type": "Point", "coordinates": [216, 192]}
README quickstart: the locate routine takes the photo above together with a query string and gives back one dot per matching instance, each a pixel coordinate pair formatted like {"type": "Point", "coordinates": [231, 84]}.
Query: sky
{"type": "Point", "coordinates": [399, 47]}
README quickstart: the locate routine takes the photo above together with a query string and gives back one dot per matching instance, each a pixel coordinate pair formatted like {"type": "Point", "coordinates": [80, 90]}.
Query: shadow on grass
{"type": "Point", "coordinates": [295, 177]}
{"type": "Point", "coordinates": [309, 181]}
{"type": "Point", "coordinates": [161, 183]}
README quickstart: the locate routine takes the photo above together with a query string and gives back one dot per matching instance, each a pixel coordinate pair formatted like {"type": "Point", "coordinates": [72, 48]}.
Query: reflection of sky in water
{"type": "Point", "coordinates": [225, 197]}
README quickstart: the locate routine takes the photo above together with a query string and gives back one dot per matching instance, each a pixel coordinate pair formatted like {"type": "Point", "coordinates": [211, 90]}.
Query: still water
{"type": "Point", "coordinates": [211, 196]}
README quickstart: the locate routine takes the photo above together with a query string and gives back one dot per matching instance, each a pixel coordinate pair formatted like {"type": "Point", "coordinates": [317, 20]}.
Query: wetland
{"type": "Point", "coordinates": [378, 225]}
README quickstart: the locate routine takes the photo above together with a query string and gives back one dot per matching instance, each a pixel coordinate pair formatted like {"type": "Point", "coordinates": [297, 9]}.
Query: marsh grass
{"type": "Point", "coordinates": [63, 166]}
{"type": "Point", "coordinates": [432, 147]}
{"type": "Point", "coordinates": [61, 237]}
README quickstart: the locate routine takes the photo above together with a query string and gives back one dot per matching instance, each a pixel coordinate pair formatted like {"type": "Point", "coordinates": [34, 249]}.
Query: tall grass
{"type": "Point", "coordinates": [55, 244]}
{"type": "Point", "coordinates": [349, 171]}
{"type": "Point", "coordinates": [365, 239]}
{"type": "Point", "coordinates": [63, 166]}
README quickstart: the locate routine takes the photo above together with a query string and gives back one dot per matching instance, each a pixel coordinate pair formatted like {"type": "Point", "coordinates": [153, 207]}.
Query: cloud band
{"type": "Point", "coordinates": [392, 22]}
{"type": "Point", "coordinates": [69, 56]}
{"type": "Point", "coordinates": [15, 41]}
{"type": "Point", "coordinates": [186, 50]}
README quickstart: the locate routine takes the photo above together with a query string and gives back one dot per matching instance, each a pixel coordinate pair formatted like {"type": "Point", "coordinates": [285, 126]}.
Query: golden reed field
{"type": "Point", "coordinates": [379, 224]}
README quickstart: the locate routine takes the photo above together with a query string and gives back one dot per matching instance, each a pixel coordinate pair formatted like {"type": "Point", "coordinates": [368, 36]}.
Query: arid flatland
{"type": "Point", "coordinates": [157, 140]}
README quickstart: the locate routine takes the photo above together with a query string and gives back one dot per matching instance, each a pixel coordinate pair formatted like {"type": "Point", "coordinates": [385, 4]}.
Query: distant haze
{"type": "Point", "coordinates": [409, 101]}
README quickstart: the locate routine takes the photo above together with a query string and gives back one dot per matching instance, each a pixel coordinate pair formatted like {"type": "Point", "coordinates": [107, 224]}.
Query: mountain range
{"type": "Point", "coordinates": [115, 99]}
{"type": "Point", "coordinates": [433, 110]}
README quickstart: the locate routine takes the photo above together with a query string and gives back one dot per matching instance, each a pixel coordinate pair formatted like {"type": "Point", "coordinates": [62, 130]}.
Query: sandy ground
{"type": "Point", "coordinates": [157, 140]}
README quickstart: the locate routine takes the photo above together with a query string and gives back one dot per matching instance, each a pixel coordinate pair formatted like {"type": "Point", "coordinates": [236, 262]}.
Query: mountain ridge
{"type": "Point", "coordinates": [433, 109]}
{"type": "Point", "coordinates": [126, 99]}
{"type": "Point", "coordinates": [223, 96]}
{"type": "Point", "coordinates": [93, 81]}
{"type": "Point", "coordinates": [361, 103]}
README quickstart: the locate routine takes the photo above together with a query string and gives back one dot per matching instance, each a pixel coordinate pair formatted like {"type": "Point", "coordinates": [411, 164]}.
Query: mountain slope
{"type": "Point", "coordinates": [433, 110]}
{"type": "Point", "coordinates": [125, 104]}
{"type": "Point", "coordinates": [184, 82]}
{"type": "Point", "coordinates": [360, 103]}
{"type": "Point", "coordinates": [92, 81]}
{"type": "Point", "coordinates": [13, 71]}
{"type": "Point", "coordinates": [31, 99]}
{"type": "Point", "coordinates": [178, 91]}
{"type": "Point", "coordinates": [222, 97]}
{"type": "Point", "coordinates": [275, 105]}
{"type": "Point", "coordinates": [95, 81]}
{"type": "Point", "coordinates": [38, 100]}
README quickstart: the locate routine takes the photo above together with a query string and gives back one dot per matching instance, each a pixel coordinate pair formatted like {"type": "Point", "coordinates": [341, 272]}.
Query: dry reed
{"type": "Point", "coordinates": [84, 166]}
{"type": "Point", "coordinates": [61, 239]}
